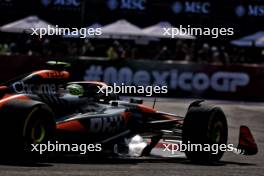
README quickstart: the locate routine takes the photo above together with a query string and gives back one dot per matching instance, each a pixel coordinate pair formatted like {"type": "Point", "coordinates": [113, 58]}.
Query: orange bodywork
{"type": "Point", "coordinates": [126, 116]}
{"type": "Point", "coordinates": [73, 126]}
{"type": "Point", "coordinates": [146, 109]}
{"type": "Point", "coordinates": [52, 74]}
{"type": "Point", "coordinates": [9, 97]}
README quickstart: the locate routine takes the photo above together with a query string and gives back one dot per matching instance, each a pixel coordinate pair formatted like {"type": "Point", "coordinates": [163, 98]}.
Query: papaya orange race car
{"type": "Point", "coordinates": [43, 108]}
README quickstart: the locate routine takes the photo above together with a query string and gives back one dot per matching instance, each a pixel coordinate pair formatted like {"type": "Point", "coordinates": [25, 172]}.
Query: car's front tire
{"type": "Point", "coordinates": [23, 123]}
{"type": "Point", "coordinates": [207, 126]}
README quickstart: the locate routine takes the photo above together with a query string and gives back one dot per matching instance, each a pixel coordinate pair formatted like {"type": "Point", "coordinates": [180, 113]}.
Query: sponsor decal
{"type": "Point", "coordinates": [127, 4]}
{"type": "Point", "coordinates": [21, 87]}
{"type": "Point", "coordinates": [194, 7]}
{"type": "Point", "coordinates": [62, 3]}
{"type": "Point", "coordinates": [250, 10]}
{"type": "Point", "coordinates": [109, 124]}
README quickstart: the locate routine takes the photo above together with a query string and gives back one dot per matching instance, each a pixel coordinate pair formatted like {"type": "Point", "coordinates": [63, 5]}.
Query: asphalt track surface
{"type": "Point", "coordinates": [238, 113]}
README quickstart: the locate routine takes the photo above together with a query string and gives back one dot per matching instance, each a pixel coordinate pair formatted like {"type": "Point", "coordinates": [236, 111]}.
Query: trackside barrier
{"type": "Point", "coordinates": [231, 82]}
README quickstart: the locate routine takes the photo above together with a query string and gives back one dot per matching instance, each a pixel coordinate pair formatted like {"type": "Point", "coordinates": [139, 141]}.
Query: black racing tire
{"type": "Point", "coordinates": [205, 124]}
{"type": "Point", "coordinates": [25, 122]}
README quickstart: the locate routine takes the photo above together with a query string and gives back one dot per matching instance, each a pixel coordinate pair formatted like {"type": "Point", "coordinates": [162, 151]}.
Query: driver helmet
{"type": "Point", "coordinates": [75, 89]}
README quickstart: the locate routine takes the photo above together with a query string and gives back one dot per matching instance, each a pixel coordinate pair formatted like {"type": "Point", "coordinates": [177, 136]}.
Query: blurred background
{"type": "Point", "coordinates": [134, 51]}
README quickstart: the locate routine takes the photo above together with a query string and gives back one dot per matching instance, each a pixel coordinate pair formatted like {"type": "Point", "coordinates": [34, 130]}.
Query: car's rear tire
{"type": "Point", "coordinates": [205, 125]}
{"type": "Point", "coordinates": [25, 122]}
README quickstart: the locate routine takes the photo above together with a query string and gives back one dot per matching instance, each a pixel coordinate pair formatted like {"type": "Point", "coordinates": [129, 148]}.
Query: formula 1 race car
{"type": "Point", "coordinates": [42, 106]}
